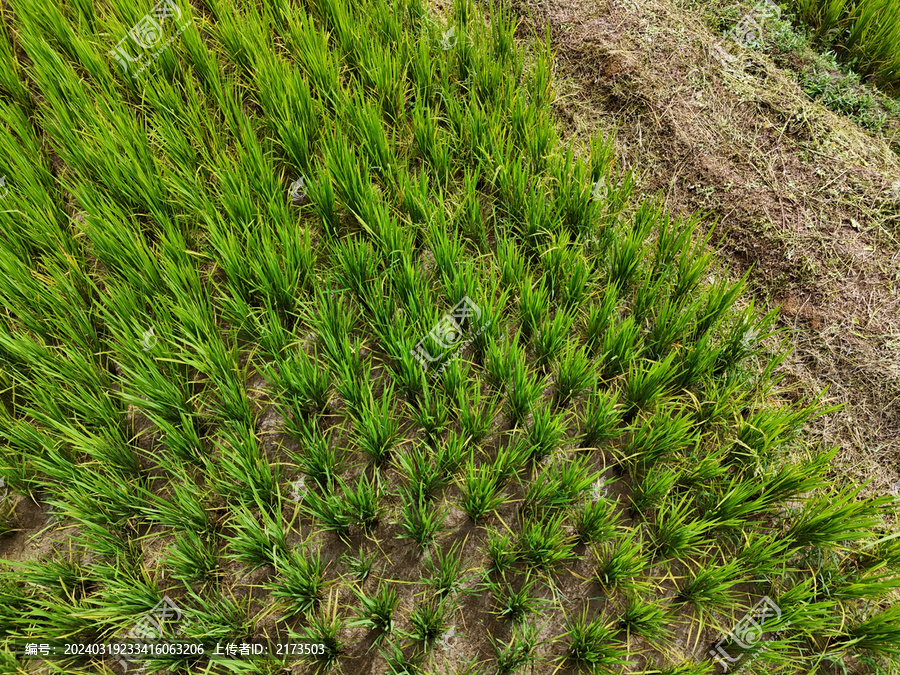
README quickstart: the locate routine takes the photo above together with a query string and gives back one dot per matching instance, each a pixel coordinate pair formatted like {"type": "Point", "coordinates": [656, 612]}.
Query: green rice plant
{"type": "Point", "coordinates": [377, 610]}
{"type": "Point", "coordinates": [551, 337]}
{"type": "Point", "coordinates": [331, 510]}
{"type": "Point", "coordinates": [420, 521]}
{"type": "Point", "coordinates": [377, 430]}
{"type": "Point", "coordinates": [601, 418]}
{"type": "Point", "coordinates": [545, 433]}
{"type": "Point", "coordinates": [591, 644]}
{"type": "Point", "coordinates": [431, 414]}
{"type": "Point", "coordinates": [325, 627]}
{"type": "Point", "coordinates": [360, 565]}
{"type": "Point", "coordinates": [501, 551]}
{"type": "Point", "coordinates": [534, 304]}
{"type": "Point", "coordinates": [647, 619]}
{"type": "Point", "coordinates": [834, 520]}
{"type": "Point", "coordinates": [877, 633]}
{"type": "Point", "coordinates": [574, 376]}
{"type": "Point", "coordinates": [300, 580]}
{"type": "Point", "coordinates": [428, 620]}
{"type": "Point", "coordinates": [646, 384]}
{"type": "Point", "coordinates": [543, 544]}
{"type": "Point", "coordinates": [252, 543]}
{"type": "Point", "coordinates": [318, 459]}
{"type": "Point", "coordinates": [510, 261]}
{"type": "Point", "coordinates": [677, 532]}
{"type": "Point", "coordinates": [451, 454]}
{"type": "Point", "coordinates": [399, 663]}
{"type": "Point", "coordinates": [709, 588]}
{"type": "Point", "coordinates": [446, 573]}
{"type": "Point", "coordinates": [650, 489]}
{"type": "Point", "coordinates": [193, 558]}
{"type": "Point", "coordinates": [664, 437]}
{"type": "Point", "coordinates": [476, 415]}
{"type": "Point", "coordinates": [522, 394]}
{"type": "Point", "coordinates": [184, 509]}
{"type": "Point", "coordinates": [627, 252]}
{"type": "Point", "coordinates": [519, 652]}
{"type": "Point", "coordinates": [763, 556]}
{"type": "Point", "coordinates": [425, 477]}
{"type": "Point", "coordinates": [480, 490]}
{"type": "Point", "coordinates": [621, 347]}
{"type": "Point", "coordinates": [363, 504]}
{"type": "Point", "coordinates": [306, 385]}
{"type": "Point", "coordinates": [619, 563]}
{"type": "Point", "coordinates": [595, 521]}
{"type": "Point", "coordinates": [557, 485]}
{"type": "Point", "coordinates": [501, 359]}
{"type": "Point", "coordinates": [514, 606]}
{"type": "Point", "coordinates": [511, 460]}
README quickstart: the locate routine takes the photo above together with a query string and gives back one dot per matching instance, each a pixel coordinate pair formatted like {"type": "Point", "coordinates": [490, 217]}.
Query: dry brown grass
{"type": "Point", "coordinates": [793, 191]}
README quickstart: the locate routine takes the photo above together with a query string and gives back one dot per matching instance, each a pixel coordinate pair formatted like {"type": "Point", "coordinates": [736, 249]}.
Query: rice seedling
{"type": "Point", "coordinates": [514, 605]}
{"type": "Point", "coordinates": [595, 521]}
{"type": "Point", "coordinates": [300, 580]}
{"type": "Point", "coordinates": [601, 419]}
{"type": "Point", "coordinates": [501, 551]}
{"type": "Point", "coordinates": [621, 347]}
{"type": "Point", "coordinates": [651, 489]}
{"type": "Point", "coordinates": [545, 544]}
{"type": "Point", "coordinates": [377, 430]}
{"type": "Point", "coordinates": [620, 563]}
{"type": "Point", "coordinates": [574, 376]}
{"type": "Point", "coordinates": [193, 558]}
{"type": "Point", "coordinates": [592, 644]}
{"type": "Point", "coordinates": [451, 454]}
{"type": "Point", "coordinates": [677, 531]}
{"type": "Point", "coordinates": [445, 568]}
{"type": "Point", "coordinates": [551, 337]}
{"type": "Point", "coordinates": [318, 459]}
{"type": "Point", "coordinates": [420, 521]}
{"type": "Point", "coordinates": [648, 619]}
{"type": "Point", "coordinates": [519, 652]}
{"type": "Point", "coordinates": [256, 544]}
{"type": "Point", "coordinates": [360, 565]}
{"type": "Point", "coordinates": [480, 490]}
{"type": "Point", "coordinates": [377, 610]}
{"type": "Point", "coordinates": [325, 627]}
{"type": "Point", "coordinates": [544, 434]}
{"type": "Point", "coordinates": [399, 663]}
{"type": "Point", "coordinates": [523, 393]}
{"type": "Point", "coordinates": [429, 620]}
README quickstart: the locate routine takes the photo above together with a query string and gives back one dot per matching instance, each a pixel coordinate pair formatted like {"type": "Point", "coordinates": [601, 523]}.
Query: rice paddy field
{"type": "Point", "coordinates": [314, 332]}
